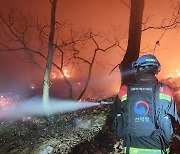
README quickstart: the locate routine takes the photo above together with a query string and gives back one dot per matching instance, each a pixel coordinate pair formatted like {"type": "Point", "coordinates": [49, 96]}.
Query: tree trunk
{"type": "Point", "coordinates": [46, 81]}
{"type": "Point", "coordinates": [134, 40]}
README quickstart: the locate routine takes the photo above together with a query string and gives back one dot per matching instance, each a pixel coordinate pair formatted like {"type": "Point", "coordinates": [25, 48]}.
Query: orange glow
{"type": "Point", "coordinates": [106, 18]}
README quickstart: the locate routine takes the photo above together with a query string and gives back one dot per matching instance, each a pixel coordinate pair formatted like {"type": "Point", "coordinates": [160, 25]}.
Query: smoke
{"type": "Point", "coordinates": [80, 123]}
{"type": "Point", "coordinates": [34, 107]}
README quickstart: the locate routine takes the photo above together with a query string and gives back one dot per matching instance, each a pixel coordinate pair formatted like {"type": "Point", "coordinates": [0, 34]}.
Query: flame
{"type": "Point", "coordinates": [53, 75]}
{"type": "Point", "coordinates": [66, 73]}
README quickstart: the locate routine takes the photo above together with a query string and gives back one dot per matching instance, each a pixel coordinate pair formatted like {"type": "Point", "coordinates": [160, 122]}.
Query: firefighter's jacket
{"type": "Point", "coordinates": [144, 143]}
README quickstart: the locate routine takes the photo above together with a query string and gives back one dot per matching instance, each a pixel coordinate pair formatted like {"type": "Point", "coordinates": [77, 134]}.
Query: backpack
{"type": "Point", "coordinates": [144, 112]}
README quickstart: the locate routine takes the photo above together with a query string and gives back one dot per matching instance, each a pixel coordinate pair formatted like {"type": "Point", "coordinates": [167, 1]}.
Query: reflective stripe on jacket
{"type": "Point", "coordinates": [133, 150]}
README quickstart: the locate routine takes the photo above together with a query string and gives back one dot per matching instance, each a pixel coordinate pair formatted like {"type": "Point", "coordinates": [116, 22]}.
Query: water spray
{"type": "Point", "coordinates": [34, 107]}
{"type": "Point", "coordinates": [128, 72]}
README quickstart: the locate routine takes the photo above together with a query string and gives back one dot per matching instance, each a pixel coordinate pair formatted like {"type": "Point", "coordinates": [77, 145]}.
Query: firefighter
{"type": "Point", "coordinates": [141, 111]}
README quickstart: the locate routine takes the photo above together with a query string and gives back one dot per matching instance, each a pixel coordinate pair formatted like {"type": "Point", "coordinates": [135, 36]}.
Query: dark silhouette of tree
{"type": "Point", "coordinates": [134, 40]}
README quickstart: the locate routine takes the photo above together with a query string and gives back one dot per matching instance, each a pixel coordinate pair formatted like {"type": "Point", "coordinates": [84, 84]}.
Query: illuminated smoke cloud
{"type": "Point", "coordinates": [34, 107]}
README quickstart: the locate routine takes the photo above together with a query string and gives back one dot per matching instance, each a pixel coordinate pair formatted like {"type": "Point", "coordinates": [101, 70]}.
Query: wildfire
{"type": "Point", "coordinates": [66, 73]}
{"type": "Point", "coordinates": [55, 75]}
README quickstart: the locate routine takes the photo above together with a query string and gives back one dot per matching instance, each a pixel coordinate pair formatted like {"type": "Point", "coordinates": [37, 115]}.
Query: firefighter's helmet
{"type": "Point", "coordinates": [149, 62]}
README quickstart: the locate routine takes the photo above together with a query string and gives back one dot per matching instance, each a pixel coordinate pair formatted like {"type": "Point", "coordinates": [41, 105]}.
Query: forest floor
{"type": "Point", "coordinates": [85, 131]}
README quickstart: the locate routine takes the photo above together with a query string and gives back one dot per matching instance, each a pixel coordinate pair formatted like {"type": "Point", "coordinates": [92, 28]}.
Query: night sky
{"type": "Point", "coordinates": [110, 17]}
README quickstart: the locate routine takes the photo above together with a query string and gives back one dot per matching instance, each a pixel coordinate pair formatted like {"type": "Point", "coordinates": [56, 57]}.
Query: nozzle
{"type": "Point", "coordinates": [105, 103]}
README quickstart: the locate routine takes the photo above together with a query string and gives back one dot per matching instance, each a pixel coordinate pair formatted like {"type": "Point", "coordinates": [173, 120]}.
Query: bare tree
{"type": "Point", "coordinates": [46, 80]}
{"type": "Point", "coordinates": [91, 62]}
{"type": "Point", "coordinates": [50, 36]}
